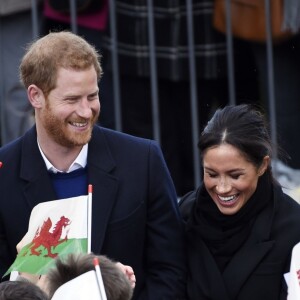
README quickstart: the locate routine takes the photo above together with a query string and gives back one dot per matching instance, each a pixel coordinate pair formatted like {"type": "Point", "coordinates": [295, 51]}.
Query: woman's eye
{"type": "Point", "coordinates": [235, 176]}
{"type": "Point", "coordinates": [212, 175]}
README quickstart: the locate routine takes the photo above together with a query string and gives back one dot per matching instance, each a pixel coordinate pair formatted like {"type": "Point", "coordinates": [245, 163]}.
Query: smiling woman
{"type": "Point", "coordinates": [230, 179]}
{"type": "Point", "coordinates": [236, 221]}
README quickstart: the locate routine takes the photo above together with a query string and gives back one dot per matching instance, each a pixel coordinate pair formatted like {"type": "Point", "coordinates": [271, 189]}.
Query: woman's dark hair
{"type": "Point", "coordinates": [241, 126]}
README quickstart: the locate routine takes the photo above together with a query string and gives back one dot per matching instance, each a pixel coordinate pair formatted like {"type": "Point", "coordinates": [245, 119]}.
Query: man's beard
{"type": "Point", "coordinates": [59, 130]}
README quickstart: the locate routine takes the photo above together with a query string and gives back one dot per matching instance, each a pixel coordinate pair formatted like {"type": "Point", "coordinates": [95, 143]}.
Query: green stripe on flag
{"type": "Point", "coordinates": [33, 264]}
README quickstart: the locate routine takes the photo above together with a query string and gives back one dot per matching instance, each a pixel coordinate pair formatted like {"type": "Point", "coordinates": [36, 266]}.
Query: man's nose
{"type": "Point", "coordinates": [84, 109]}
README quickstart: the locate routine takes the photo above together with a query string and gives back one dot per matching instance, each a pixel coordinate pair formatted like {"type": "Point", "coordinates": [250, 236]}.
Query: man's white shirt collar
{"type": "Point", "coordinates": [79, 162]}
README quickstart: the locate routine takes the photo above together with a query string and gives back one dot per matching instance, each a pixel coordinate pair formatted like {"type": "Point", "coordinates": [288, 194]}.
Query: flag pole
{"type": "Point", "coordinates": [99, 279]}
{"type": "Point", "coordinates": [90, 193]}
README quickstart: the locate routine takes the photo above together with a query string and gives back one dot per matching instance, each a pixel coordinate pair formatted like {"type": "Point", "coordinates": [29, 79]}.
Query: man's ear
{"type": "Point", "coordinates": [36, 96]}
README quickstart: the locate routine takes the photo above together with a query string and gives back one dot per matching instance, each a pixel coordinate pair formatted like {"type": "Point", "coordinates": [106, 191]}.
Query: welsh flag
{"type": "Point", "coordinates": [84, 286]}
{"type": "Point", "coordinates": [56, 228]}
{"type": "Point", "coordinates": [294, 275]}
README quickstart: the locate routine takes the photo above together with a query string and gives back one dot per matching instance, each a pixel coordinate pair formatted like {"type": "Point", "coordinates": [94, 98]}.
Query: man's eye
{"type": "Point", "coordinates": [93, 97]}
{"type": "Point", "coordinates": [71, 100]}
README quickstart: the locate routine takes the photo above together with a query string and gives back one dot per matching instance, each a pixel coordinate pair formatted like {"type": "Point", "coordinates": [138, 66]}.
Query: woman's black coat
{"type": "Point", "coordinates": [256, 270]}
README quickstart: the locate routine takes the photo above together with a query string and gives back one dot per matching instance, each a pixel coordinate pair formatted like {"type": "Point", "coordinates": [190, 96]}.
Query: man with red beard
{"type": "Point", "coordinates": [135, 214]}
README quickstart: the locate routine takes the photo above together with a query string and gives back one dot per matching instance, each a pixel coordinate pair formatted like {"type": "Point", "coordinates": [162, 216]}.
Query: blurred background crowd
{"type": "Point", "coordinates": [166, 68]}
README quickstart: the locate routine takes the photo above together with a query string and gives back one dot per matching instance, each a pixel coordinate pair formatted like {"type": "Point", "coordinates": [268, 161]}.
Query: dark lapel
{"type": "Point", "coordinates": [212, 282]}
{"type": "Point", "coordinates": [38, 188]}
{"type": "Point", "coordinates": [105, 185]}
{"type": "Point", "coordinates": [251, 254]}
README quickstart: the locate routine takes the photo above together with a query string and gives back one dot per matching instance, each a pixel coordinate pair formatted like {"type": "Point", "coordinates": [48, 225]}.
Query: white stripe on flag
{"type": "Point", "coordinates": [84, 286]}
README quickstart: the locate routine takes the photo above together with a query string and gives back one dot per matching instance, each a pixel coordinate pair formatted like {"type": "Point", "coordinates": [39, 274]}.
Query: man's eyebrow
{"type": "Point", "coordinates": [94, 93]}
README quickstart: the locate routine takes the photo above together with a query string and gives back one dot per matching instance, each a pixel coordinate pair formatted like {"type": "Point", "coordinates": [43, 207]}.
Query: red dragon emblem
{"type": "Point", "coordinates": [44, 237]}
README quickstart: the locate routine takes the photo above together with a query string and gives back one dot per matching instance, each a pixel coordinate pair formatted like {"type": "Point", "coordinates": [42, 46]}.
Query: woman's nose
{"type": "Point", "coordinates": [223, 187]}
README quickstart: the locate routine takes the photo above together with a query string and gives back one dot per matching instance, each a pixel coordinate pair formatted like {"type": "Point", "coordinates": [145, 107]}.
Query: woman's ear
{"type": "Point", "coordinates": [264, 165]}
{"type": "Point", "coordinates": [35, 96]}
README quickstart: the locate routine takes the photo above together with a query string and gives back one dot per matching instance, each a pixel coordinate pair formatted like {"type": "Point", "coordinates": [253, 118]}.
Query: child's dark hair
{"type": "Point", "coordinates": [21, 290]}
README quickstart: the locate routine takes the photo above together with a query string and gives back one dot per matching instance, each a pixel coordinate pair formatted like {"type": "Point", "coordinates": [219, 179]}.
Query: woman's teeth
{"type": "Point", "coordinates": [229, 198]}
